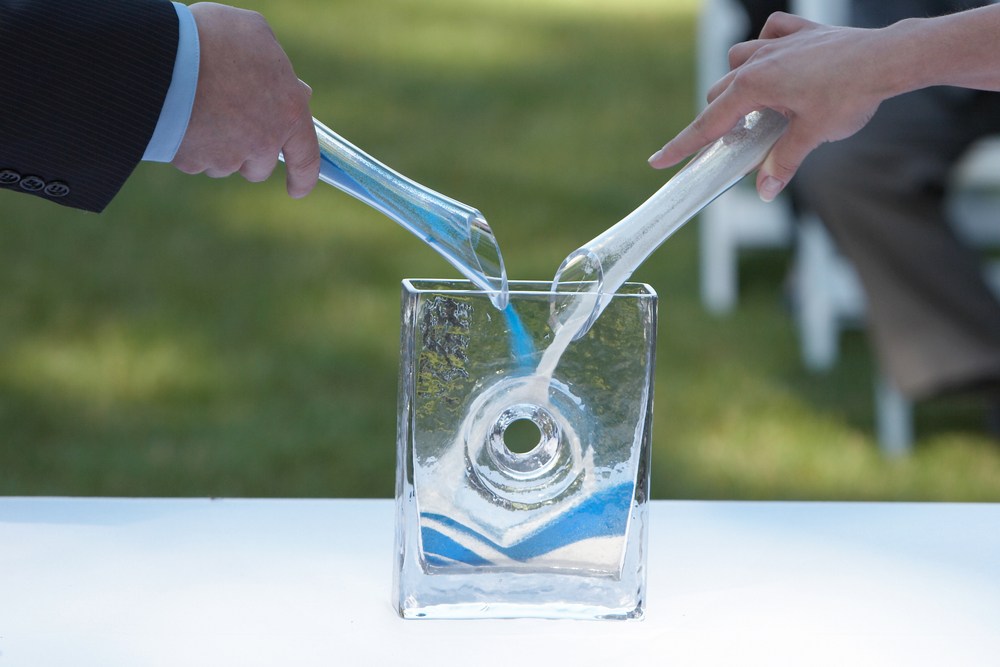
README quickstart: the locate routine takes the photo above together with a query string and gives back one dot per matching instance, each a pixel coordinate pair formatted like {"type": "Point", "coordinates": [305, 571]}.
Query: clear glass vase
{"type": "Point", "coordinates": [519, 494]}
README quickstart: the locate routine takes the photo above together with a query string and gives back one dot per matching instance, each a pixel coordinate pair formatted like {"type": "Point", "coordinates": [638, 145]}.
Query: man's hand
{"type": "Point", "coordinates": [249, 105]}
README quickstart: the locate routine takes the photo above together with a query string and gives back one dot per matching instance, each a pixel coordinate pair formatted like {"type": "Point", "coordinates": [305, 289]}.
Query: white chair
{"type": "Point", "coordinates": [827, 295]}
{"type": "Point", "coordinates": [737, 219]}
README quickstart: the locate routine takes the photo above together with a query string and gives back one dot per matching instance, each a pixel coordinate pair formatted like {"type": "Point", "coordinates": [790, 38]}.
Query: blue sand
{"type": "Point", "coordinates": [355, 184]}
{"type": "Point", "coordinates": [603, 514]}
{"type": "Point", "coordinates": [521, 343]}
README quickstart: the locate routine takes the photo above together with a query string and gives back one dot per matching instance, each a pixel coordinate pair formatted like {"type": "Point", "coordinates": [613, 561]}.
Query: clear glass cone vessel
{"type": "Point", "coordinates": [553, 525]}
{"type": "Point", "coordinates": [596, 269]}
{"type": "Point", "coordinates": [457, 231]}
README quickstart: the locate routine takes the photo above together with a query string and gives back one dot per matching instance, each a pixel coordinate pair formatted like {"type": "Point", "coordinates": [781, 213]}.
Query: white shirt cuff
{"type": "Point", "coordinates": [177, 105]}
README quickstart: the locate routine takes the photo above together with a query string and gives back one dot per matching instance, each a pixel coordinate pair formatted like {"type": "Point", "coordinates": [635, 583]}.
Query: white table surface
{"type": "Point", "coordinates": [307, 582]}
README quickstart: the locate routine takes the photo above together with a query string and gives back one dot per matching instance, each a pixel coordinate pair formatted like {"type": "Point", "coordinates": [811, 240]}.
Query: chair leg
{"type": "Point", "coordinates": [718, 262]}
{"type": "Point", "coordinates": [894, 419]}
{"type": "Point", "coordinates": [817, 317]}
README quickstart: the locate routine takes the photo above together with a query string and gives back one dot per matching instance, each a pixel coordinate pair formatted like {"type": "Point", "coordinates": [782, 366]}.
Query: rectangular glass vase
{"type": "Point", "coordinates": [520, 494]}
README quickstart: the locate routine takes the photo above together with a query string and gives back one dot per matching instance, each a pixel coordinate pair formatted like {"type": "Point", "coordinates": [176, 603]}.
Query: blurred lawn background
{"type": "Point", "coordinates": [214, 338]}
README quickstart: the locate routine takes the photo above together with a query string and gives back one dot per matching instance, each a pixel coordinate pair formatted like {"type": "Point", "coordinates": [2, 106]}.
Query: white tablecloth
{"type": "Point", "coordinates": [307, 582]}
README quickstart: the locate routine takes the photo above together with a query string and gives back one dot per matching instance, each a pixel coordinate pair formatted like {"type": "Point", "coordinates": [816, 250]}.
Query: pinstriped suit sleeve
{"type": "Point", "coordinates": [81, 87]}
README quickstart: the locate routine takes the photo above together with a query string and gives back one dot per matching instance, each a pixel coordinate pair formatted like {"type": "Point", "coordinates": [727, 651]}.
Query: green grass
{"type": "Point", "coordinates": [208, 337]}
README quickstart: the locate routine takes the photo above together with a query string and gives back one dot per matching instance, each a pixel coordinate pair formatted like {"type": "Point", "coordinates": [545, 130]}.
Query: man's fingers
{"type": "Point", "coordinates": [220, 168]}
{"type": "Point", "coordinates": [258, 169]}
{"type": "Point", "coordinates": [301, 154]}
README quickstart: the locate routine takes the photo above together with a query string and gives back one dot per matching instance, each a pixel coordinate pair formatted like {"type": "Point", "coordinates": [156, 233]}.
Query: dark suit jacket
{"type": "Point", "coordinates": [81, 87]}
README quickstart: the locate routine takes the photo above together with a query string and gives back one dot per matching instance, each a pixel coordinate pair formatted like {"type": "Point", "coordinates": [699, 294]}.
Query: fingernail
{"type": "Point", "coordinates": [769, 188]}
{"type": "Point", "coordinates": [655, 156]}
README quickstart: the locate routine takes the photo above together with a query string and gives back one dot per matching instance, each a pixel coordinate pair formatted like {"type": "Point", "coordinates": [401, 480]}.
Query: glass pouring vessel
{"type": "Point", "coordinates": [457, 231]}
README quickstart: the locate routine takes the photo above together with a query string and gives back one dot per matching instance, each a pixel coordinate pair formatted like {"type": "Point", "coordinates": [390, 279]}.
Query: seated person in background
{"type": "Point", "coordinates": [934, 323]}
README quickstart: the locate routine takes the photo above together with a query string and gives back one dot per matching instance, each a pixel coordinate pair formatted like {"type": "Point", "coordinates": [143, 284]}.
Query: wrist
{"type": "Point", "coordinates": [958, 49]}
{"type": "Point", "coordinates": [900, 54]}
